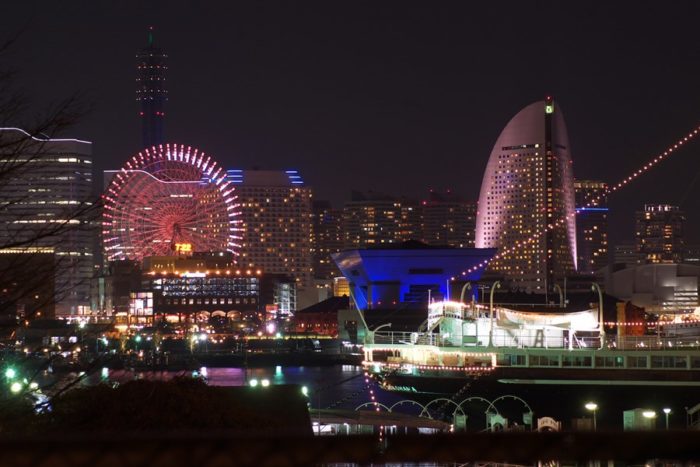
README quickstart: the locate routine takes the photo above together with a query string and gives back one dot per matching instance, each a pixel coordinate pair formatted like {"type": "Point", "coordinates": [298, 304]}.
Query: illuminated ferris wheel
{"type": "Point", "coordinates": [166, 199]}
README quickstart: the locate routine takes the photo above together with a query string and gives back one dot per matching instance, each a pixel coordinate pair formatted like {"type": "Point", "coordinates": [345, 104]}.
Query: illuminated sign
{"type": "Point", "coordinates": [183, 247]}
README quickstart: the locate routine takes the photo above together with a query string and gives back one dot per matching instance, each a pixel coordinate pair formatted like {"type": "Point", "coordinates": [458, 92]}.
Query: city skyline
{"type": "Point", "coordinates": [301, 233]}
{"type": "Point", "coordinates": [278, 98]}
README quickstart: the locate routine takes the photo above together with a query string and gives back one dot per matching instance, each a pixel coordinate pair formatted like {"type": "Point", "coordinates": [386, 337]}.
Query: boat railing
{"type": "Point", "coordinates": [408, 338]}
{"type": "Point", "coordinates": [538, 340]}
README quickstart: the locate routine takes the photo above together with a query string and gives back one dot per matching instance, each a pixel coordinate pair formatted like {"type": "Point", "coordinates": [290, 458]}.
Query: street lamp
{"type": "Point", "coordinates": [667, 412]}
{"type": "Point", "coordinates": [601, 328]}
{"type": "Point", "coordinates": [496, 285]}
{"type": "Point", "coordinates": [465, 287]}
{"type": "Point", "coordinates": [593, 407]}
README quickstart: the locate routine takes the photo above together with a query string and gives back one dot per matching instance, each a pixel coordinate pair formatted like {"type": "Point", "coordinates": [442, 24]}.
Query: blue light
{"type": "Point", "coordinates": [235, 175]}
{"type": "Point", "coordinates": [591, 209]}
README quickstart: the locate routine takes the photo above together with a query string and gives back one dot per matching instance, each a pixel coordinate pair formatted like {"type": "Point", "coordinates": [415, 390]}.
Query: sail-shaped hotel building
{"type": "Point", "coordinates": [526, 203]}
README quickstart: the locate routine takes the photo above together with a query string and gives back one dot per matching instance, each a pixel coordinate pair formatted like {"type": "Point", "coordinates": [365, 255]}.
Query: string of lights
{"type": "Point", "coordinates": [622, 183]}
{"type": "Point", "coordinates": [685, 323]}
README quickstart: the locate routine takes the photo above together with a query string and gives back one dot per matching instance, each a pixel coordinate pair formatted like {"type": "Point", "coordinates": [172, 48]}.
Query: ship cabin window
{"type": "Point", "coordinates": [667, 362]}
{"type": "Point", "coordinates": [544, 360]}
{"type": "Point", "coordinates": [637, 362]}
{"type": "Point", "coordinates": [515, 360]}
{"type": "Point", "coordinates": [576, 360]}
{"type": "Point", "coordinates": [694, 362]}
{"type": "Point", "coordinates": [609, 362]}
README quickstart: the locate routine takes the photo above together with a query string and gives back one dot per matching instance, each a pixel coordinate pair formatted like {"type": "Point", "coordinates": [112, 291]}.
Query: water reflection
{"type": "Point", "coordinates": [340, 387]}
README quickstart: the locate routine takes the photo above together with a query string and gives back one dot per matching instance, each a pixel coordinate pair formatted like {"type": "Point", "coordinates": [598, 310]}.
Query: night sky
{"type": "Point", "coordinates": [397, 97]}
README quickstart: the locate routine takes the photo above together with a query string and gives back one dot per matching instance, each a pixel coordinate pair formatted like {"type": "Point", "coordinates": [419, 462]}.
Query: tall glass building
{"type": "Point", "coordinates": [46, 207]}
{"type": "Point", "coordinates": [591, 225]}
{"type": "Point", "coordinates": [526, 205]}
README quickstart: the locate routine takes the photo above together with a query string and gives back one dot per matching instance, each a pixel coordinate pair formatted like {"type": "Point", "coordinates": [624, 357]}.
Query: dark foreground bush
{"type": "Point", "coordinates": [179, 405]}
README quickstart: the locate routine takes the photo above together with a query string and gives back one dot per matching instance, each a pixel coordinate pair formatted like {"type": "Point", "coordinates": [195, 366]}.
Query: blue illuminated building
{"type": "Point", "coordinates": [407, 273]}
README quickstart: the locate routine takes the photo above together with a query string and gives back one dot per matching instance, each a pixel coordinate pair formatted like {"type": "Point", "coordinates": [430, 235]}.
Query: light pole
{"type": "Point", "coordinates": [593, 407]}
{"type": "Point", "coordinates": [496, 285]}
{"type": "Point", "coordinates": [601, 331]}
{"type": "Point", "coordinates": [467, 286]}
{"type": "Point", "coordinates": [561, 295]}
{"type": "Point", "coordinates": [667, 412]}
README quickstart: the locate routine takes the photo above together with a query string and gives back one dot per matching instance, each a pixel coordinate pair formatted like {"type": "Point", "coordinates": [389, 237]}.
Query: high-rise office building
{"type": "Point", "coordinates": [448, 220]}
{"type": "Point", "coordinates": [526, 204]}
{"type": "Point", "coordinates": [46, 207]}
{"type": "Point", "coordinates": [327, 238]}
{"type": "Point", "coordinates": [411, 223]}
{"type": "Point", "coordinates": [591, 225]}
{"type": "Point", "coordinates": [660, 234]}
{"type": "Point", "coordinates": [276, 222]}
{"type": "Point", "coordinates": [372, 219]}
{"type": "Point", "coordinates": [626, 253]}
{"type": "Point", "coordinates": [151, 93]}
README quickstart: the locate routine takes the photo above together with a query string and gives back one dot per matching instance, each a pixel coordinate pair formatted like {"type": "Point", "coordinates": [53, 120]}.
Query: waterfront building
{"type": "Point", "coordinates": [208, 284]}
{"type": "Point", "coordinates": [192, 287]}
{"type": "Point", "coordinates": [372, 219]}
{"type": "Point", "coordinates": [321, 318]}
{"type": "Point", "coordinates": [527, 200]}
{"type": "Point", "coordinates": [276, 223]}
{"type": "Point", "coordinates": [151, 92]}
{"type": "Point", "coordinates": [591, 225]}
{"type": "Point", "coordinates": [448, 220]}
{"type": "Point", "coordinates": [657, 288]}
{"type": "Point", "coordinates": [660, 234]}
{"type": "Point", "coordinates": [327, 238]}
{"type": "Point", "coordinates": [47, 207]}
{"type": "Point", "coordinates": [410, 272]}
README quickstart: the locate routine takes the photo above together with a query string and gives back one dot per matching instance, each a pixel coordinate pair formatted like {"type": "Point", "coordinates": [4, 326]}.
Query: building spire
{"type": "Point", "coordinates": [150, 36]}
